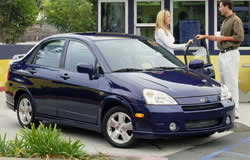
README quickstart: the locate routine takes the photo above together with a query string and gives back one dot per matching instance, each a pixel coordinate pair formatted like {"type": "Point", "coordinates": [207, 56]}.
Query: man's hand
{"type": "Point", "coordinates": [214, 38]}
{"type": "Point", "coordinates": [198, 36]}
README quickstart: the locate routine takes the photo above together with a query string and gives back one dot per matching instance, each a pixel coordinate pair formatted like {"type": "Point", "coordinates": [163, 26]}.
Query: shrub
{"type": "Point", "coordinates": [3, 145]}
{"type": "Point", "coordinates": [44, 142]}
{"type": "Point", "coordinates": [15, 17]}
{"type": "Point", "coordinates": [75, 15]}
{"type": "Point", "coordinates": [13, 148]}
{"type": "Point", "coordinates": [48, 142]}
{"type": "Point", "coordinates": [16, 148]}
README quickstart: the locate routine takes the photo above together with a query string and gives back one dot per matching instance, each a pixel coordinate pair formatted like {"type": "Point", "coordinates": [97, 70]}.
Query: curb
{"type": "Point", "coordinates": [240, 127]}
{"type": "Point", "coordinates": [106, 158]}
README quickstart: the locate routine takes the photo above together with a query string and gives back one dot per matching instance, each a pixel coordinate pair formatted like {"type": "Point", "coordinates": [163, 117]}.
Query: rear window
{"type": "Point", "coordinates": [50, 53]}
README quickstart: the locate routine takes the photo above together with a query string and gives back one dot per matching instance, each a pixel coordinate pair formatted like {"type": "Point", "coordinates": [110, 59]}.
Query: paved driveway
{"type": "Point", "coordinates": [178, 148]}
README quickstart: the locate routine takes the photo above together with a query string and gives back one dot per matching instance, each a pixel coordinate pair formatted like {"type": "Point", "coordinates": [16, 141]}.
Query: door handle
{"type": "Point", "coordinates": [65, 76]}
{"type": "Point", "coordinates": [32, 71]}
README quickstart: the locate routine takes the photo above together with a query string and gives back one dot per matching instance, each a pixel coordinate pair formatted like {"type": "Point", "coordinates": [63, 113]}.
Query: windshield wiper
{"type": "Point", "coordinates": [128, 70]}
{"type": "Point", "coordinates": [164, 68]}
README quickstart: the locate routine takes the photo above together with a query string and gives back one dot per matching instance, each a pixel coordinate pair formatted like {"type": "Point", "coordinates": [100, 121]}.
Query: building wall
{"type": "Point", "coordinates": [168, 4]}
{"type": "Point", "coordinates": [211, 20]}
{"type": "Point", "coordinates": [6, 53]}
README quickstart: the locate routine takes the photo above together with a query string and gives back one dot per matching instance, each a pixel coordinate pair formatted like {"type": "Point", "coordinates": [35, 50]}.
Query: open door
{"type": "Point", "coordinates": [199, 51]}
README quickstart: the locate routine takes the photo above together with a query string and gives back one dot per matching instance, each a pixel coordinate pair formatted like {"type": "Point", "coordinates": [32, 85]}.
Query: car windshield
{"type": "Point", "coordinates": [130, 55]}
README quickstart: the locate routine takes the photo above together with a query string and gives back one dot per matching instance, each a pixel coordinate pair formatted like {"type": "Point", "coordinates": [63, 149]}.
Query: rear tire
{"type": "Point", "coordinates": [117, 128]}
{"type": "Point", "coordinates": [25, 111]}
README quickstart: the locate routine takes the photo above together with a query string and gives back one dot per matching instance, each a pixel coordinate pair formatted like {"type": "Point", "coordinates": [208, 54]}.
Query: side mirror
{"type": "Point", "coordinates": [196, 64]}
{"type": "Point", "coordinates": [86, 68]}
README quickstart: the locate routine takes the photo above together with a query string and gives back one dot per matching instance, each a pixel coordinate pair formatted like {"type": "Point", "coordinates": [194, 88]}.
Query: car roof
{"type": "Point", "coordinates": [98, 36]}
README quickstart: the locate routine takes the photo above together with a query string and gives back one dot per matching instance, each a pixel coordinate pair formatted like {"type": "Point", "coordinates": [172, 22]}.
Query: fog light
{"type": "Point", "coordinates": [228, 120]}
{"type": "Point", "coordinates": [172, 126]}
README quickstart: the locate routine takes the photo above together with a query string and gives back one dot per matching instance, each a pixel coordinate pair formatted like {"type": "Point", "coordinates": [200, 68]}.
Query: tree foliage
{"type": "Point", "coordinates": [15, 17]}
{"type": "Point", "coordinates": [70, 15]}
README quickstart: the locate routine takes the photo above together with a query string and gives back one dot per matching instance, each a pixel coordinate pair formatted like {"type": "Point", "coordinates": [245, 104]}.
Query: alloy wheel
{"type": "Point", "coordinates": [120, 128]}
{"type": "Point", "coordinates": [25, 111]}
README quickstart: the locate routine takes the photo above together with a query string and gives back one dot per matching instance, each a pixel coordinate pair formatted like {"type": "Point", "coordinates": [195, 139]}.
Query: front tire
{"type": "Point", "coordinates": [118, 128]}
{"type": "Point", "coordinates": [25, 111]}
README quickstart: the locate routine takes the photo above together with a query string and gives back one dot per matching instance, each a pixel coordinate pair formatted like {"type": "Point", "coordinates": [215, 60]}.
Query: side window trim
{"type": "Point", "coordinates": [66, 43]}
{"type": "Point", "coordinates": [34, 52]}
{"type": "Point", "coordinates": [66, 46]}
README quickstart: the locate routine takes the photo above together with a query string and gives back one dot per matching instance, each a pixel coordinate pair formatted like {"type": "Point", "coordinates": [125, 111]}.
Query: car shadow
{"type": "Point", "coordinates": [94, 138]}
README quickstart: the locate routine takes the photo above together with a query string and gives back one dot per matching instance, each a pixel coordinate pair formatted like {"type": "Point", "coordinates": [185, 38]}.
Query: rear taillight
{"type": "Point", "coordinates": [8, 75]}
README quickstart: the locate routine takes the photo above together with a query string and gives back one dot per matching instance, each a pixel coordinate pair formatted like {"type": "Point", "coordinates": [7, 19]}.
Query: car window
{"type": "Point", "coordinates": [137, 54]}
{"type": "Point", "coordinates": [198, 50]}
{"type": "Point", "coordinates": [50, 53]}
{"type": "Point", "coordinates": [78, 53]}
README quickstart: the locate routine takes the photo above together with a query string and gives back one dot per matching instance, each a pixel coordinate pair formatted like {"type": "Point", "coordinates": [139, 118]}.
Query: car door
{"type": "Point", "coordinates": [199, 50]}
{"type": "Point", "coordinates": [43, 69]}
{"type": "Point", "coordinates": [78, 98]}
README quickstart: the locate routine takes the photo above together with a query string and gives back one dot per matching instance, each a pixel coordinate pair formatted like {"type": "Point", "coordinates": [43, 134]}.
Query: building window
{"type": "Point", "coordinates": [145, 16]}
{"type": "Point", "coordinates": [241, 8]}
{"type": "Point", "coordinates": [113, 16]}
{"type": "Point", "coordinates": [146, 31]}
{"type": "Point", "coordinates": [188, 19]}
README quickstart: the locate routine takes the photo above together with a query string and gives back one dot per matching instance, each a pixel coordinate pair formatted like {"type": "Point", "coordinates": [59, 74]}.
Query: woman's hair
{"type": "Point", "coordinates": [160, 21]}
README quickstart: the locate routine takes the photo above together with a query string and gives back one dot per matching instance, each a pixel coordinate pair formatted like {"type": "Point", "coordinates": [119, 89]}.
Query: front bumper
{"type": "Point", "coordinates": [154, 135]}
{"type": "Point", "coordinates": [190, 122]}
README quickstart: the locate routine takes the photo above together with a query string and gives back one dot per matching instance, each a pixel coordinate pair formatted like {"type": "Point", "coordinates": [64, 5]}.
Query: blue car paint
{"type": "Point", "coordinates": [184, 85]}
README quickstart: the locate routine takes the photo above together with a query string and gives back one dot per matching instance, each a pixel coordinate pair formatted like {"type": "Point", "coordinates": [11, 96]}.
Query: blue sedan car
{"type": "Point", "coordinates": [123, 86]}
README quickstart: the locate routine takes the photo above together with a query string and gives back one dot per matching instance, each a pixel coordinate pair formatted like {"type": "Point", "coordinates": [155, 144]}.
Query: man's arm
{"type": "Point", "coordinates": [216, 38]}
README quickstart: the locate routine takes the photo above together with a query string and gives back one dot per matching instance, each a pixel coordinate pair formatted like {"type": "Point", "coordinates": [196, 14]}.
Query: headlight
{"type": "Point", "coordinates": [225, 94]}
{"type": "Point", "coordinates": [157, 98]}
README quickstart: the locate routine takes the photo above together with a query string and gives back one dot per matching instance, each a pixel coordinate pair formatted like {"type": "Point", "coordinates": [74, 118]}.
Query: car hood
{"type": "Point", "coordinates": [177, 83]}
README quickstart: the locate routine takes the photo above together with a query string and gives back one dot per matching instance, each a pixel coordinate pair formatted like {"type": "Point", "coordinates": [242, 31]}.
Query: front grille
{"type": "Point", "coordinates": [196, 124]}
{"type": "Point", "coordinates": [202, 107]}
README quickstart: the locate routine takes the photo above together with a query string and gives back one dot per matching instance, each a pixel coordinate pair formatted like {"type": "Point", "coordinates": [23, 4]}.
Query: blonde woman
{"type": "Point", "coordinates": [163, 35]}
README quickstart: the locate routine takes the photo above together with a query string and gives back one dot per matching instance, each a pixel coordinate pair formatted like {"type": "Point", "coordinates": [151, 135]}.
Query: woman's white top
{"type": "Point", "coordinates": [167, 41]}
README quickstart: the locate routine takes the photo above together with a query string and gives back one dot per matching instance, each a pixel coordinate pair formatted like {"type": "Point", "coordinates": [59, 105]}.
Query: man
{"type": "Point", "coordinates": [232, 34]}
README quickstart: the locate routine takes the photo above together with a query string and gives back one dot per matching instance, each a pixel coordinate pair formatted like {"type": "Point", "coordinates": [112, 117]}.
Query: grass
{"type": "Point", "coordinates": [44, 142]}
{"type": "Point", "coordinates": [3, 145]}
{"type": "Point", "coordinates": [11, 148]}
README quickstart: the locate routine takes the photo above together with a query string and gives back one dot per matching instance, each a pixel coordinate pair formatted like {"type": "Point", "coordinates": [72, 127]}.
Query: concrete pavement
{"type": "Point", "coordinates": [145, 150]}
